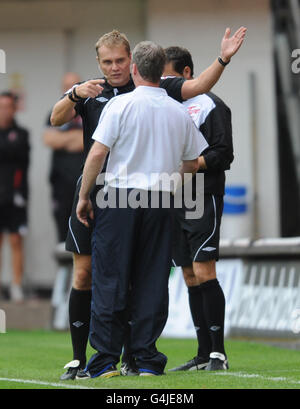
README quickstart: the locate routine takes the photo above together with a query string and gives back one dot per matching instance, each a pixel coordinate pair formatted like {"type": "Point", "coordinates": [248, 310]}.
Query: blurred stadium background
{"type": "Point", "coordinates": [260, 250]}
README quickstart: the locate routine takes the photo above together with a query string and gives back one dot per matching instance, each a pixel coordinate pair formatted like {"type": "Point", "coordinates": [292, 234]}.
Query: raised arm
{"type": "Point", "coordinates": [208, 78]}
{"type": "Point", "coordinates": [63, 112]}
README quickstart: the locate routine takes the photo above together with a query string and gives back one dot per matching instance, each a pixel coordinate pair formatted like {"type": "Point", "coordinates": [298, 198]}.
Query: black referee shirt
{"type": "Point", "coordinates": [215, 126]}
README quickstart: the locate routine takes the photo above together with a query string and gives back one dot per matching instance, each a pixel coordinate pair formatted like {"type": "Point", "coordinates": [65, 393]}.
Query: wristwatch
{"type": "Point", "coordinates": [71, 96]}
{"type": "Point", "coordinates": [75, 95]}
{"type": "Point", "coordinates": [223, 62]}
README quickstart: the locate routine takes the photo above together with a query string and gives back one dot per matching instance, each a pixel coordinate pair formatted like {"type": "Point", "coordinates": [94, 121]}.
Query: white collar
{"type": "Point", "coordinates": [145, 89]}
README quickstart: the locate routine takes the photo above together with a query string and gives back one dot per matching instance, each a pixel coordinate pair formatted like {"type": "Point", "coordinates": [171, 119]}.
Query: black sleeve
{"type": "Point", "coordinates": [17, 150]}
{"type": "Point", "coordinates": [173, 86]}
{"type": "Point", "coordinates": [217, 130]}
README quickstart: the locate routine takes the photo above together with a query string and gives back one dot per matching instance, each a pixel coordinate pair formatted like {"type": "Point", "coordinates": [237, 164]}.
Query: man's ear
{"type": "Point", "coordinates": [187, 73]}
{"type": "Point", "coordinates": [134, 69]}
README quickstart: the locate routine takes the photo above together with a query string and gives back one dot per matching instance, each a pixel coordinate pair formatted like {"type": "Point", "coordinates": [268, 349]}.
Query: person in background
{"type": "Point", "coordinates": [14, 161]}
{"type": "Point", "coordinates": [66, 143]}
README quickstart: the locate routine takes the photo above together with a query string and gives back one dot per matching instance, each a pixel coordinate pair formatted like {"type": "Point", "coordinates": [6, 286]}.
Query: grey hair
{"type": "Point", "coordinates": [150, 60]}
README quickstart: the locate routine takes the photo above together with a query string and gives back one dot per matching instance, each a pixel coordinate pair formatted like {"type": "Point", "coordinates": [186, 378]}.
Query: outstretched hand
{"type": "Point", "coordinates": [91, 88]}
{"type": "Point", "coordinates": [231, 45]}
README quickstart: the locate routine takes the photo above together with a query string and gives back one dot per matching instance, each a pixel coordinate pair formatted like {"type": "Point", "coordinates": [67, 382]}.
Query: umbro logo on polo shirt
{"type": "Point", "coordinates": [102, 99]}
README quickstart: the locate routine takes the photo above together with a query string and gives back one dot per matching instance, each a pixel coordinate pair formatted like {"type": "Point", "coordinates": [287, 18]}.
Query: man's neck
{"type": "Point", "coordinates": [119, 85]}
{"type": "Point", "coordinates": [144, 83]}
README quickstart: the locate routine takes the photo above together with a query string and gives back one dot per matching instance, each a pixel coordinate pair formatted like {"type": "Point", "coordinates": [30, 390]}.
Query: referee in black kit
{"type": "Point", "coordinates": [132, 245]}
{"type": "Point", "coordinates": [88, 99]}
{"type": "Point", "coordinates": [196, 242]}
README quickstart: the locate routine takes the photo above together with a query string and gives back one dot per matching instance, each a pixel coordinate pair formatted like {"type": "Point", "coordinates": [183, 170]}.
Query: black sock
{"type": "Point", "coordinates": [214, 312]}
{"type": "Point", "coordinates": [79, 319]}
{"type": "Point", "coordinates": [196, 307]}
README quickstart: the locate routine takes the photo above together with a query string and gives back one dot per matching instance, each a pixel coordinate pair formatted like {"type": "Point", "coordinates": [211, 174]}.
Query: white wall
{"type": "Point", "coordinates": [199, 26]}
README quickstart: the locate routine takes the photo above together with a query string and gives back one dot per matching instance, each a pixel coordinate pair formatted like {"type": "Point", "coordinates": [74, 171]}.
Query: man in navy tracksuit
{"type": "Point", "coordinates": [132, 241]}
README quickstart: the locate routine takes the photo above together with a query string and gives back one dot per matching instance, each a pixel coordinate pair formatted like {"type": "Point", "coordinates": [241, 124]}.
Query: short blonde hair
{"type": "Point", "coordinates": [112, 39]}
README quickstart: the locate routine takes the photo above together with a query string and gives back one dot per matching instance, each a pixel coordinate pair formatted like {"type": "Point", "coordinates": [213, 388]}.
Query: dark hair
{"type": "Point", "coordinates": [9, 94]}
{"type": "Point", "coordinates": [150, 60]}
{"type": "Point", "coordinates": [180, 57]}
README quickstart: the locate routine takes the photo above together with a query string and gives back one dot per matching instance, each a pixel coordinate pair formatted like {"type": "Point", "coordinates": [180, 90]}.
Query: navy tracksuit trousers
{"type": "Point", "coordinates": [131, 257]}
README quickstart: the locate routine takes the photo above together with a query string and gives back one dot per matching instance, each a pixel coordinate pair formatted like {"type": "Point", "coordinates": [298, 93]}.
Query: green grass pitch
{"type": "Point", "coordinates": [35, 360]}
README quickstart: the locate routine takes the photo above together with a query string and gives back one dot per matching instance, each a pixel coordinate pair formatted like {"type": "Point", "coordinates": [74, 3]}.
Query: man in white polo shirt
{"type": "Point", "coordinates": [147, 133]}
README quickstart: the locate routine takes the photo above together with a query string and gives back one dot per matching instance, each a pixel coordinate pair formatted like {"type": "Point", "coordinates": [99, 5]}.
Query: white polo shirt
{"type": "Point", "coordinates": [148, 134]}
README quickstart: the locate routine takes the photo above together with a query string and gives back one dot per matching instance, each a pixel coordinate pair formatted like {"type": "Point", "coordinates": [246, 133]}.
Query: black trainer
{"type": "Point", "coordinates": [196, 364]}
{"type": "Point", "coordinates": [128, 370]}
{"type": "Point", "coordinates": [72, 369]}
{"type": "Point", "coordinates": [217, 362]}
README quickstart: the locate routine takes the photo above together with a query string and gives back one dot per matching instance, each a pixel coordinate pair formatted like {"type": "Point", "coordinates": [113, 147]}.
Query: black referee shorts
{"type": "Point", "coordinates": [62, 203]}
{"type": "Point", "coordinates": [198, 240]}
{"type": "Point", "coordinates": [79, 236]}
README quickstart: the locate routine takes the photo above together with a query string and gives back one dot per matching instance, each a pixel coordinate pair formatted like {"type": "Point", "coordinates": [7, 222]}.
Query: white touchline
{"type": "Point", "coordinates": [35, 382]}
{"type": "Point", "coordinates": [266, 378]}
